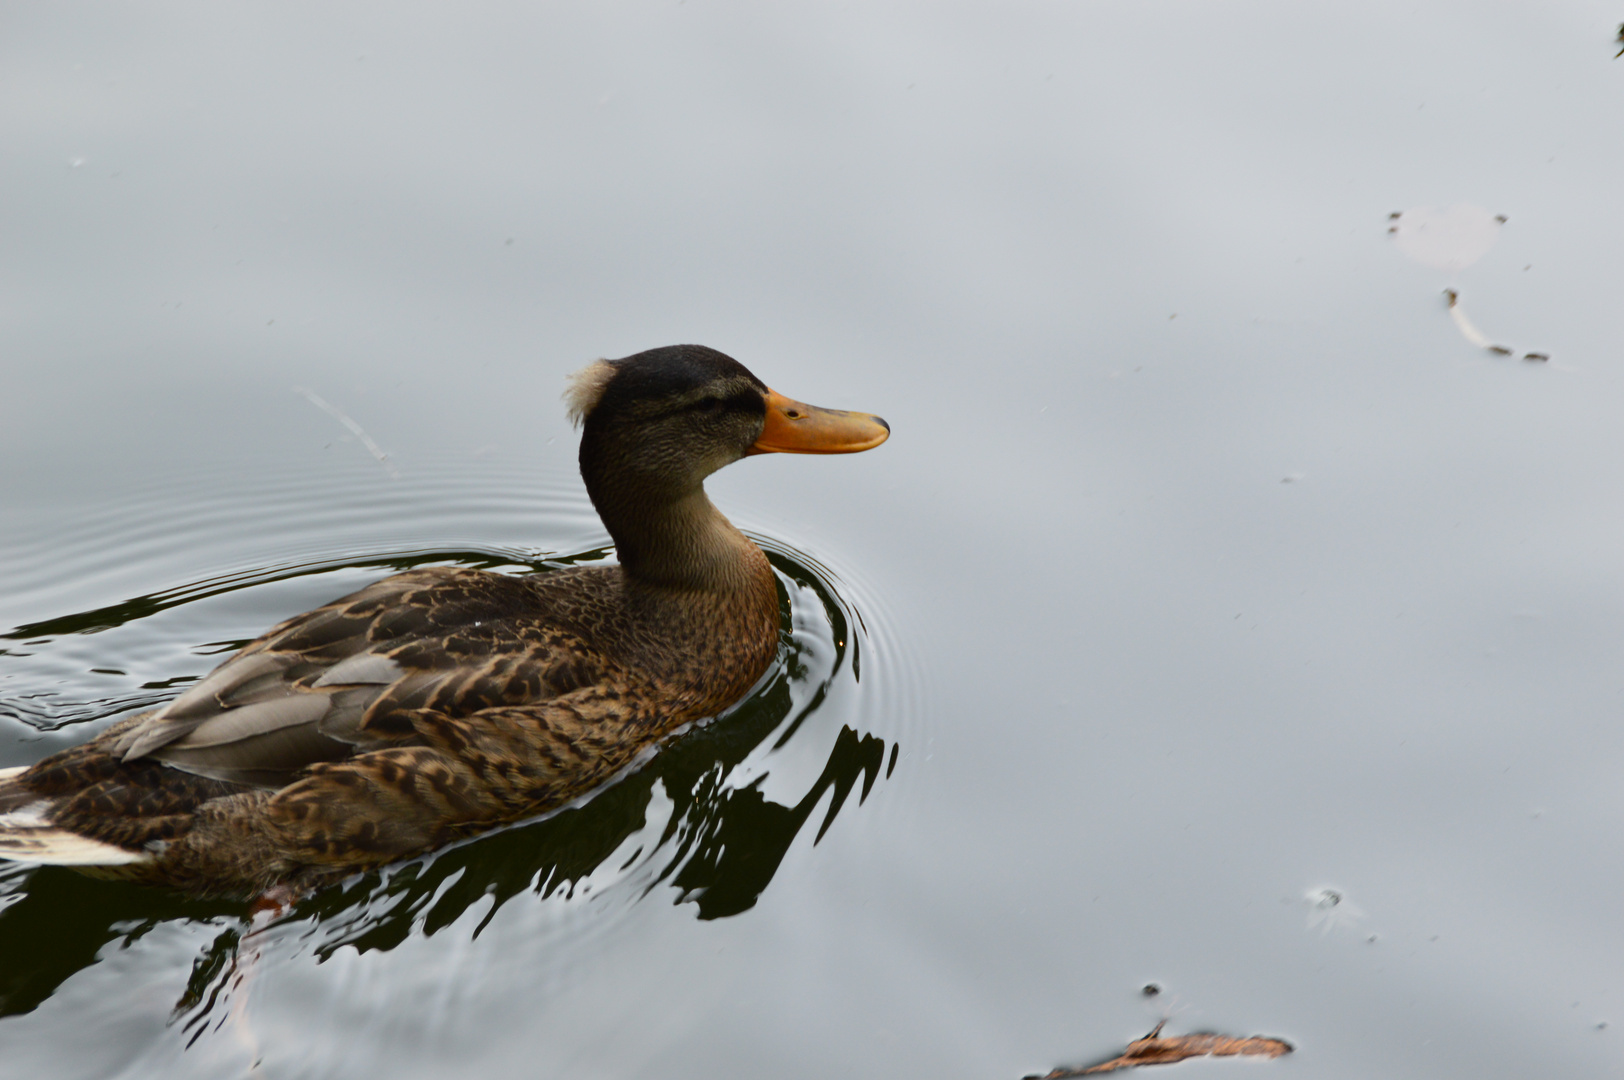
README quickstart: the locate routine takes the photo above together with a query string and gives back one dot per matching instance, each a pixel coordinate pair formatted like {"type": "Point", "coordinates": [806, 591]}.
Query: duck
{"type": "Point", "coordinates": [442, 702]}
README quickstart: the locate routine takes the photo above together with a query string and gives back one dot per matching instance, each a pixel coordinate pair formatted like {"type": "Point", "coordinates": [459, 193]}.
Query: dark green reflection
{"type": "Point", "coordinates": [719, 849]}
{"type": "Point", "coordinates": [59, 920]}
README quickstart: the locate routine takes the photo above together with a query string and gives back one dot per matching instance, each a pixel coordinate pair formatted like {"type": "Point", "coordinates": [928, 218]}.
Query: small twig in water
{"type": "Point", "coordinates": [1475, 336]}
{"type": "Point", "coordinates": [355, 429]}
{"type": "Point", "coordinates": [1467, 330]}
{"type": "Point", "coordinates": [1155, 1050]}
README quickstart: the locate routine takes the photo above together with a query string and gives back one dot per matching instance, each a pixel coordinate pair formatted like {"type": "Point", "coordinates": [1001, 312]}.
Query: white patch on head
{"type": "Point", "coordinates": [586, 388]}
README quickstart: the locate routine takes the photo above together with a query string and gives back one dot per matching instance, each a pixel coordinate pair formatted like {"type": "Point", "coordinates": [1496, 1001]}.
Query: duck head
{"type": "Point", "coordinates": [656, 424]}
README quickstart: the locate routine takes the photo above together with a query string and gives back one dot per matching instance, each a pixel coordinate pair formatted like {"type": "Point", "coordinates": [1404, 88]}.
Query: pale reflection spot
{"type": "Point", "coordinates": [1445, 237]}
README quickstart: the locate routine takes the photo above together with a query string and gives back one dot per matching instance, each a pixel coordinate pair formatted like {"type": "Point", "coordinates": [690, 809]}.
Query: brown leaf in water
{"type": "Point", "coordinates": [1155, 1050]}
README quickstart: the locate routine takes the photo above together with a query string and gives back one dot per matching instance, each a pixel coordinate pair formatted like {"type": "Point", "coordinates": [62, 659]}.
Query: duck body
{"type": "Point", "coordinates": [440, 702]}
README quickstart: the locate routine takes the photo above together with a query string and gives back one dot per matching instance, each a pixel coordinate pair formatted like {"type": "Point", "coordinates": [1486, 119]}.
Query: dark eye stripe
{"type": "Point", "coordinates": [743, 401]}
{"type": "Point", "coordinates": [747, 401]}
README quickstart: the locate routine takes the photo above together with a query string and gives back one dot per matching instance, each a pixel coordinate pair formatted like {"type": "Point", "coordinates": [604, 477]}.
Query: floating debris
{"type": "Point", "coordinates": [1472, 334]}
{"type": "Point", "coordinates": [354, 429]}
{"type": "Point", "coordinates": [1330, 909]}
{"type": "Point", "coordinates": [1467, 330]}
{"type": "Point", "coordinates": [1155, 1050]}
{"type": "Point", "coordinates": [1453, 238]}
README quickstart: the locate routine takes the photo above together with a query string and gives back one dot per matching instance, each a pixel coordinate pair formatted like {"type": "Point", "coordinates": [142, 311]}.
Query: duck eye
{"type": "Point", "coordinates": [710, 406]}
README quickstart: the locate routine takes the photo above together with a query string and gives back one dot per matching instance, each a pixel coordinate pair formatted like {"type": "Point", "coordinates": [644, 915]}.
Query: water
{"type": "Point", "coordinates": [1210, 571]}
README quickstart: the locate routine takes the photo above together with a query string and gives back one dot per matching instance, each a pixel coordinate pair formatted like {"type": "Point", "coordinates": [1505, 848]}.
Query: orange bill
{"type": "Point", "coordinates": [796, 428]}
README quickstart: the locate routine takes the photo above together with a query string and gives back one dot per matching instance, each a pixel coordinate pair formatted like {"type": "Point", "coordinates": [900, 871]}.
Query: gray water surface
{"type": "Point", "coordinates": [1218, 616]}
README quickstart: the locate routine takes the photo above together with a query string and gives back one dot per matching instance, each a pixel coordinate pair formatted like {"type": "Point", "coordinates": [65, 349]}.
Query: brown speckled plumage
{"type": "Point", "coordinates": [440, 702]}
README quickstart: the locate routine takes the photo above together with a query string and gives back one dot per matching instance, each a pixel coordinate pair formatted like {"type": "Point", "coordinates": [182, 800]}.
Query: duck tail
{"type": "Point", "coordinates": [27, 833]}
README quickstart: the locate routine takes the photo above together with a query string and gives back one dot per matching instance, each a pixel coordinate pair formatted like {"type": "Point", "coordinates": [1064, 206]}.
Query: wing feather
{"type": "Point", "coordinates": [346, 678]}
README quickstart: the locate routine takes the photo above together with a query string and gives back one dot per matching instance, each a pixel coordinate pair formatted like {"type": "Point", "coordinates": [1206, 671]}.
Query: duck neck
{"type": "Point", "coordinates": [682, 542]}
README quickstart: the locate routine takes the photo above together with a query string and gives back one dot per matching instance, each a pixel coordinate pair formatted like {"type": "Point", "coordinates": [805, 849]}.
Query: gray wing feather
{"type": "Point", "coordinates": [224, 682]}
{"type": "Point", "coordinates": [260, 671]}
{"type": "Point", "coordinates": [234, 725]}
{"type": "Point", "coordinates": [361, 669]}
{"type": "Point", "coordinates": [306, 691]}
{"type": "Point", "coordinates": [267, 759]}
